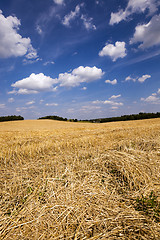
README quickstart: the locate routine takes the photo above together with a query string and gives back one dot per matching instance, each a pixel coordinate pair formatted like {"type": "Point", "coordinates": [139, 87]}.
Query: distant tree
{"type": "Point", "coordinates": [54, 118]}
{"type": "Point", "coordinates": [11, 118]}
{"type": "Point", "coordinates": [139, 116]}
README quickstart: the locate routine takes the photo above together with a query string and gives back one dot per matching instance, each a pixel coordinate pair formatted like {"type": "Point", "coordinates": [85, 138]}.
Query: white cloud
{"type": "Point", "coordinates": [51, 104]}
{"type": "Point", "coordinates": [48, 62]}
{"type": "Point", "coordinates": [129, 78]}
{"type": "Point", "coordinates": [31, 61]}
{"type": "Point", "coordinates": [80, 75]}
{"type": "Point", "coordinates": [148, 34]}
{"type": "Point", "coordinates": [113, 103]}
{"type": "Point", "coordinates": [35, 82]}
{"type": "Point", "coordinates": [142, 5]}
{"type": "Point", "coordinates": [32, 53]}
{"type": "Point", "coordinates": [89, 108]}
{"type": "Point", "coordinates": [114, 51]}
{"type": "Point", "coordinates": [69, 17]}
{"type": "Point", "coordinates": [22, 109]}
{"type": "Point", "coordinates": [115, 96]}
{"type": "Point", "coordinates": [97, 102]}
{"type": "Point", "coordinates": [111, 82]}
{"type": "Point", "coordinates": [118, 17]}
{"type": "Point", "coordinates": [39, 82]}
{"type": "Point", "coordinates": [153, 99]}
{"type": "Point", "coordinates": [59, 2]}
{"type": "Point", "coordinates": [134, 6]}
{"type": "Point", "coordinates": [143, 78]}
{"type": "Point", "coordinates": [24, 91]}
{"type": "Point", "coordinates": [150, 99]}
{"type": "Point", "coordinates": [12, 92]}
{"type": "Point", "coordinates": [108, 102]}
{"type": "Point", "coordinates": [18, 109]}
{"type": "Point", "coordinates": [10, 100]}
{"type": "Point", "coordinates": [2, 105]}
{"type": "Point", "coordinates": [84, 88]}
{"type": "Point", "coordinates": [30, 103]}
{"type": "Point", "coordinates": [13, 44]}
{"type": "Point", "coordinates": [114, 108]}
{"type": "Point", "coordinates": [39, 29]}
{"type": "Point", "coordinates": [139, 79]}
{"type": "Point", "coordinates": [88, 23]}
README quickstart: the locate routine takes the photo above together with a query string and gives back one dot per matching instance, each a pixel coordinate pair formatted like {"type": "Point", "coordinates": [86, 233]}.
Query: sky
{"type": "Point", "coordinates": [79, 59]}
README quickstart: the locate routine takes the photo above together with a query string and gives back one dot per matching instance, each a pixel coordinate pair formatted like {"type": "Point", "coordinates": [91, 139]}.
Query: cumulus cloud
{"type": "Point", "coordinates": [30, 102]}
{"type": "Point", "coordinates": [139, 79]}
{"type": "Point", "coordinates": [80, 75]}
{"type": "Point", "coordinates": [114, 51]}
{"type": "Point", "coordinates": [10, 100]}
{"type": "Point", "coordinates": [113, 103]}
{"type": "Point", "coordinates": [143, 78]}
{"type": "Point", "coordinates": [129, 78]}
{"type": "Point", "coordinates": [148, 34]}
{"type": "Point", "coordinates": [51, 104]}
{"type": "Point", "coordinates": [110, 102]}
{"type": "Point", "coordinates": [111, 82]}
{"type": "Point", "coordinates": [39, 82]}
{"type": "Point", "coordinates": [72, 15]}
{"type": "Point", "coordinates": [25, 91]}
{"type": "Point", "coordinates": [84, 88]}
{"type": "Point", "coordinates": [13, 44]}
{"type": "Point", "coordinates": [59, 2]}
{"type": "Point", "coordinates": [118, 17]}
{"type": "Point", "coordinates": [153, 99]}
{"type": "Point", "coordinates": [34, 83]}
{"type": "Point", "coordinates": [134, 6]}
{"type": "Point", "coordinates": [115, 96]}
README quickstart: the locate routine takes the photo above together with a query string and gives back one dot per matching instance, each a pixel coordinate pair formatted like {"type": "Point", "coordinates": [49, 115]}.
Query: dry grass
{"type": "Point", "coordinates": [76, 181]}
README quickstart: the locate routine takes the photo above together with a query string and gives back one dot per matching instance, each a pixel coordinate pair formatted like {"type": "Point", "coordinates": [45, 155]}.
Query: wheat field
{"type": "Point", "coordinates": [62, 180]}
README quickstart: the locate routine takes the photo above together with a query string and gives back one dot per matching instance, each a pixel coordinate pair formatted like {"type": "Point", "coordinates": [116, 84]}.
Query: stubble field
{"type": "Point", "coordinates": [61, 180]}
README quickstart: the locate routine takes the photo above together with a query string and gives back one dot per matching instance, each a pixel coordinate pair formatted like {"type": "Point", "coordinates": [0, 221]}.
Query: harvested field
{"type": "Point", "coordinates": [62, 180]}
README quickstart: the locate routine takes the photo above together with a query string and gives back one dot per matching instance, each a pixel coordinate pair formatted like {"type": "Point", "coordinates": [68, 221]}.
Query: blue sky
{"type": "Point", "coordinates": [79, 59]}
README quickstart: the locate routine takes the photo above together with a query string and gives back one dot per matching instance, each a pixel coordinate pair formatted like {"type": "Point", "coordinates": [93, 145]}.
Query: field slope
{"type": "Point", "coordinates": [61, 180]}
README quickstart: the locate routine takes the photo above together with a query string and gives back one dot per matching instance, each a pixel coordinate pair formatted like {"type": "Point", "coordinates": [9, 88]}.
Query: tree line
{"type": "Point", "coordinates": [11, 118]}
{"type": "Point", "coordinates": [138, 116]}
{"type": "Point", "coordinates": [58, 118]}
{"type": "Point", "coordinates": [54, 118]}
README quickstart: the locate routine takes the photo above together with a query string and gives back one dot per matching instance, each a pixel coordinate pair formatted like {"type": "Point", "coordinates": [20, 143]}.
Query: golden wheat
{"type": "Point", "coordinates": [61, 180]}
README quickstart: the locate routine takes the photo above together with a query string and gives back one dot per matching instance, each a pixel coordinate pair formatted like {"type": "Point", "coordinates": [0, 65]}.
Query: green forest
{"type": "Point", "coordinates": [11, 118]}
{"type": "Point", "coordinates": [138, 116]}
